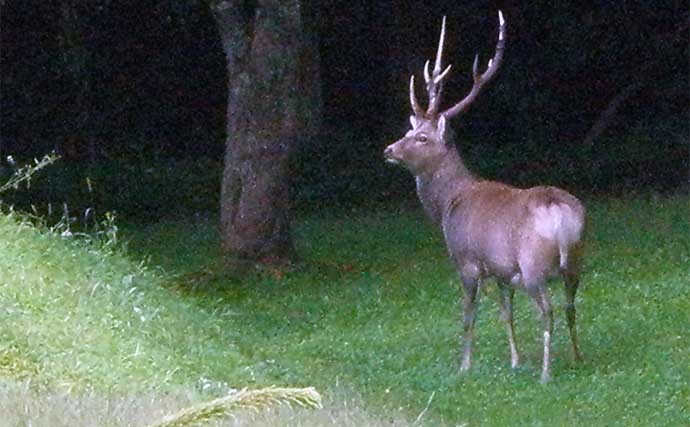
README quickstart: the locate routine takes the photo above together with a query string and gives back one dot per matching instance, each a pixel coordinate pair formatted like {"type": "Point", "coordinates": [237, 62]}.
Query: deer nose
{"type": "Point", "coordinates": [388, 152]}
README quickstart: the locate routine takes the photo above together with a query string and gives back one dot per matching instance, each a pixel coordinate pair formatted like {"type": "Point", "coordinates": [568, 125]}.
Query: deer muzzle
{"type": "Point", "coordinates": [389, 155]}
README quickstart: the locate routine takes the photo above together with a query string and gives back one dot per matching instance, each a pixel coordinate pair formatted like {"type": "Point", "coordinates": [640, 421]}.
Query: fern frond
{"type": "Point", "coordinates": [254, 400]}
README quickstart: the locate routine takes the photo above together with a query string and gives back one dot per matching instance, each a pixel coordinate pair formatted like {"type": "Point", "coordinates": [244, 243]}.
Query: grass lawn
{"type": "Point", "coordinates": [370, 318]}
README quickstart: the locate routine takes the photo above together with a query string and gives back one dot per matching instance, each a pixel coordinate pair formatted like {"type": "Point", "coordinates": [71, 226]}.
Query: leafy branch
{"type": "Point", "coordinates": [24, 173]}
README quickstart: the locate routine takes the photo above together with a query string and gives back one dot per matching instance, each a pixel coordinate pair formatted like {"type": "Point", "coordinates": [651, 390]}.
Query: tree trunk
{"type": "Point", "coordinates": [606, 116]}
{"type": "Point", "coordinates": [263, 41]}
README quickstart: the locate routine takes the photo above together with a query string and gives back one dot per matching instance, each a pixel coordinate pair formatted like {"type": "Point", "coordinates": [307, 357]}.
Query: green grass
{"type": "Point", "coordinates": [371, 315]}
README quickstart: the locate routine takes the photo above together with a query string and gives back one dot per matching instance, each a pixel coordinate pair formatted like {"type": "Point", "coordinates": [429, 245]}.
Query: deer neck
{"type": "Point", "coordinates": [439, 186]}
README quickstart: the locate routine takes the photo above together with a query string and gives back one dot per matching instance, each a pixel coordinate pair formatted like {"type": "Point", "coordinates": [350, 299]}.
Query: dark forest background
{"type": "Point", "coordinates": [592, 96]}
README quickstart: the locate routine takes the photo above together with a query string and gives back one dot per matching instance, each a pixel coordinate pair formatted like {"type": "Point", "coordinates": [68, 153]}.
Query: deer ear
{"type": "Point", "coordinates": [441, 127]}
{"type": "Point", "coordinates": [414, 122]}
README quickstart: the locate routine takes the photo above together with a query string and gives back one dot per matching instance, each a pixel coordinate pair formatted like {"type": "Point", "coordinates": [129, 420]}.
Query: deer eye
{"type": "Point", "coordinates": [422, 138]}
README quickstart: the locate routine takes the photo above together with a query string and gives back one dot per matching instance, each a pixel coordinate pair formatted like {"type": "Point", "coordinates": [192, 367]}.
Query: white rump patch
{"type": "Point", "coordinates": [559, 223]}
{"type": "Point", "coordinates": [547, 221]}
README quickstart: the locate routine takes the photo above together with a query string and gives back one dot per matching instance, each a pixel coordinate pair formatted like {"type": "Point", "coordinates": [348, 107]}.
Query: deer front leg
{"type": "Point", "coordinates": [507, 293]}
{"type": "Point", "coordinates": [471, 287]}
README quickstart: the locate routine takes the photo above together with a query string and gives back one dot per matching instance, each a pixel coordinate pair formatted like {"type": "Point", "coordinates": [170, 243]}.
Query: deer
{"type": "Point", "coordinates": [522, 238]}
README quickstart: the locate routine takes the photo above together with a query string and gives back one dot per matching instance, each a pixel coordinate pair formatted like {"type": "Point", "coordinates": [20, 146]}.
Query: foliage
{"type": "Point", "coordinates": [322, 179]}
{"type": "Point", "coordinates": [140, 110]}
{"type": "Point", "coordinates": [651, 156]}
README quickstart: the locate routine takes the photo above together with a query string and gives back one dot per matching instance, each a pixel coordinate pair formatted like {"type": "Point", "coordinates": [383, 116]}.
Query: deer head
{"type": "Point", "coordinates": [425, 145]}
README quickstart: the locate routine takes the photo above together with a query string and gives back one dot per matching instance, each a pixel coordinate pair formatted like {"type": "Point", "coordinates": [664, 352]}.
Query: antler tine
{"type": "Point", "coordinates": [442, 76]}
{"type": "Point", "coordinates": [413, 99]}
{"type": "Point", "coordinates": [481, 80]}
{"type": "Point", "coordinates": [427, 76]}
{"type": "Point", "coordinates": [439, 52]}
{"type": "Point", "coordinates": [434, 82]}
{"type": "Point", "coordinates": [475, 64]}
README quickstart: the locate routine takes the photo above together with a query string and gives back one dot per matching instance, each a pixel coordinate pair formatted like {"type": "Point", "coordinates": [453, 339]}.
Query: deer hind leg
{"type": "Point", "coordinates": [572, 281]}
{"type": "Point", "coordinates": [507, 293]}
{"type": "Point", "coordinates": [540, 295]}
{"type": "Point", "coordinates": [471, 288]}
{"type": "Point", "coordinates": [536, 263]}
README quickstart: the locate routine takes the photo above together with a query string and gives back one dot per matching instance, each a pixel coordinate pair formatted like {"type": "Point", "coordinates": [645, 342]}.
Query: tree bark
{"type": "Point", "coordinates": [262, 40]}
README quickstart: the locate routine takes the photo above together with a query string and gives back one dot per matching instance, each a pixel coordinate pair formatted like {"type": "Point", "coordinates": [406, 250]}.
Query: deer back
{"type": "Point", "coordinates": [517, 235]}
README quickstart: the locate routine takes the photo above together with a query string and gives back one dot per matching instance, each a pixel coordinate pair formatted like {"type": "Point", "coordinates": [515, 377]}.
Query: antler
{"type": "Point", "coordinates": [481, 80]}
{"type": "Point", "coordinates": [434, 81]}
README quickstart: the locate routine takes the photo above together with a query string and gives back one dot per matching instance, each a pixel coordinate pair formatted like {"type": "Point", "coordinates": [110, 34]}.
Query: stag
{"type": "Point", "coordinates": [520, 237]}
